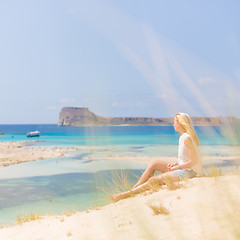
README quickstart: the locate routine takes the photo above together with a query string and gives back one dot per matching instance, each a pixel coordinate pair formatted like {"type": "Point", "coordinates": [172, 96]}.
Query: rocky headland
{"type": "Point", "coordinates": [73, 116]}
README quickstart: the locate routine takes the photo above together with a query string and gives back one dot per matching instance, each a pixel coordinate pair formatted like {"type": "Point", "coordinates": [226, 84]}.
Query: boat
{"type": "Point", "coordinates": [33, 134]}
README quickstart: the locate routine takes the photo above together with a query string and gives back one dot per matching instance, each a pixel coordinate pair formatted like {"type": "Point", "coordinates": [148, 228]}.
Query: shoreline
{"type": "Point", "coordinates": [147, 159]}
{"type": "Point", "coordinates": [22, 151]}
{"type": "Point", "coordinates": [135, 125]}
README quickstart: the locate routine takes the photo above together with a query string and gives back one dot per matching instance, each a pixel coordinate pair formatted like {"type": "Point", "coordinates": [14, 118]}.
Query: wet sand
{"type": "Point", "coordinates": [22, 151]}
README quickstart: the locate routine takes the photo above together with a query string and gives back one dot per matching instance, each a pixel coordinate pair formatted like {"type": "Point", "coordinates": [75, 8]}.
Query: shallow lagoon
{"type": "Point", "coordinates": [54, 185]}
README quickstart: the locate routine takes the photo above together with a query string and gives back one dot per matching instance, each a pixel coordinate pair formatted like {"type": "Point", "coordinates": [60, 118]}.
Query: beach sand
{"type": "Point", "coordinates": [202, 208]}
{"type": "Point", "coordinates": [22, 151]}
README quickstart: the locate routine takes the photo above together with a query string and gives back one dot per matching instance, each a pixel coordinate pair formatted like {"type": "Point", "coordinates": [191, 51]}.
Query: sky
{"type": "Point", "coordinates": [118, 58]}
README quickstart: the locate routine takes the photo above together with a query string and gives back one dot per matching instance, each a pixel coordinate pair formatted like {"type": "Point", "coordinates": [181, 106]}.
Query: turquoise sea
{"type": "Point", "coordinates": [83, 179]}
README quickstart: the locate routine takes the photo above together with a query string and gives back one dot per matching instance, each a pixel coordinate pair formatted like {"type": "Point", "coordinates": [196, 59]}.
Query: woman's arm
{"type": "Point", "coordinates": [192, 155]}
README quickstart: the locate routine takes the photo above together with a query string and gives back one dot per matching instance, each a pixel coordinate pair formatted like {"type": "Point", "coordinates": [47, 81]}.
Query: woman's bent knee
{"type": "Point", "coordinates": [158, 165]}
{"type": "Point", "coordinates": [154, 163]}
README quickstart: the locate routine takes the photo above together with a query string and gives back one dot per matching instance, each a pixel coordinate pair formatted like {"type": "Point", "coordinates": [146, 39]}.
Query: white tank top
{"type": "Point", "coordinates": [183, 155]}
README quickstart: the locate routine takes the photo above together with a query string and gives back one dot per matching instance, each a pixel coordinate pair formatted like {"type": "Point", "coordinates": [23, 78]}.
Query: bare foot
{"type": "Point", "coordinates": [116, 197]}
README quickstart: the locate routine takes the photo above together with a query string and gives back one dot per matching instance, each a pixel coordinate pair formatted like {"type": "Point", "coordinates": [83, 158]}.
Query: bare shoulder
{"type": "Point", "coordinates": [188, 142]}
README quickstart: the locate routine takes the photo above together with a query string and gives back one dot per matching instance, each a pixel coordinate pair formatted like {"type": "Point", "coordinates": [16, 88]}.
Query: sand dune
{"type": "Point", "coordinates": [202, 208]}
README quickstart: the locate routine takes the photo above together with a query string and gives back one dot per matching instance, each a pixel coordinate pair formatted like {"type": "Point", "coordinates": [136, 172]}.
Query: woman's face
{"type": "Point", "coordinates": [176, 125]}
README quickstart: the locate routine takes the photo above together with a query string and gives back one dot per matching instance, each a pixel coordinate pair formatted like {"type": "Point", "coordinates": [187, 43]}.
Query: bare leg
{"type": "Point", "coordinates": [145, 186]}
{"type": "Point", "coordinates": [155, 165]}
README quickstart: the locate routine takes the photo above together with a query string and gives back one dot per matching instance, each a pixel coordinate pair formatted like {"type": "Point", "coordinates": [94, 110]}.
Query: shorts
{"type": "Point", "coordinates": [184, 173]}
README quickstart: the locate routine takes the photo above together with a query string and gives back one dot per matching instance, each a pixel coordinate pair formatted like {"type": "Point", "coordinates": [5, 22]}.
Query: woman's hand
{"type": "Point", "coordinates": [171, 166]}
{"type": "Point", "coordinates": [174, 168]}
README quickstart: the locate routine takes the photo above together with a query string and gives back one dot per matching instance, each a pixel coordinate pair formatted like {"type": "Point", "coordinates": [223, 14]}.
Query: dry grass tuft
{"type": "Point", "coordinates": [69, 234]}
{"type": "Point", "coordinates": [69, 213]}
{"type": "Point", "coordinates": [96, 208]}
{"type": "Point", "coordinates": [96, 205]}
{"type": "Point", "coordinates": [154, 185]}
{"type": "Point", "coordinates": [159, 209]}
{"type": "Point", "coordinates": [214, 172]}
{"type": "Point", "coordinates": [171, 185]}
{"type": "Point", "coordinates": [28, 218]}
{"type": "Point", "coordinates": [120, 183]}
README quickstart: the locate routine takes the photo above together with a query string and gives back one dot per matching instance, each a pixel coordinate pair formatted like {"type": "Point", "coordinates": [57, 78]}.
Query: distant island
{"type": "Point", "coordinates": [73, 116]}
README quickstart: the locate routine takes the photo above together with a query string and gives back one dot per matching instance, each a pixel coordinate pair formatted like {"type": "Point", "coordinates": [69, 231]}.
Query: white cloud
{"type": "Point", "coordinates": [129, 104]}
{"type": "Point", "coordinates": [115, 104]}
{"type": "Point", "coordinates": [207, 80]}
{"type": "Point", "coordinates": [51, 107]}
{"type": "Point", "coordinates": [162, 96]}
{"type": "Point", "coordinates": [67, 100]}
{"type": "Point", "coordinates": [71, 11]}
{"type": "Point", "coordinates": [141, 104]}
{"type": "Point", "coordinates": [234, 42]}
{"type": "Point", "coordinates": [237, 74]}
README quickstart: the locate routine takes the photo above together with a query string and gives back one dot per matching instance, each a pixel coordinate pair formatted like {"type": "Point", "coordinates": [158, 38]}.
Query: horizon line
{"type": "Point", "coordinates": [120, 117]}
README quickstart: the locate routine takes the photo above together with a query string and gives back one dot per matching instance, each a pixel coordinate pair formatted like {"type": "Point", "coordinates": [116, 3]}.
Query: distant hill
{"type": "Point", "coordinates": [72, 116]}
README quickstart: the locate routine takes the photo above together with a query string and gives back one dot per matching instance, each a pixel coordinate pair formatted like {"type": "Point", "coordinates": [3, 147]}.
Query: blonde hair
{"type": "Point", "coordinates": [186, 123]}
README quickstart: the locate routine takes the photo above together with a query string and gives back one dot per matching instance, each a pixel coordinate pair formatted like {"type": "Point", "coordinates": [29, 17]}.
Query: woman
{"type": "Point", "coordinates": [188, 163]}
